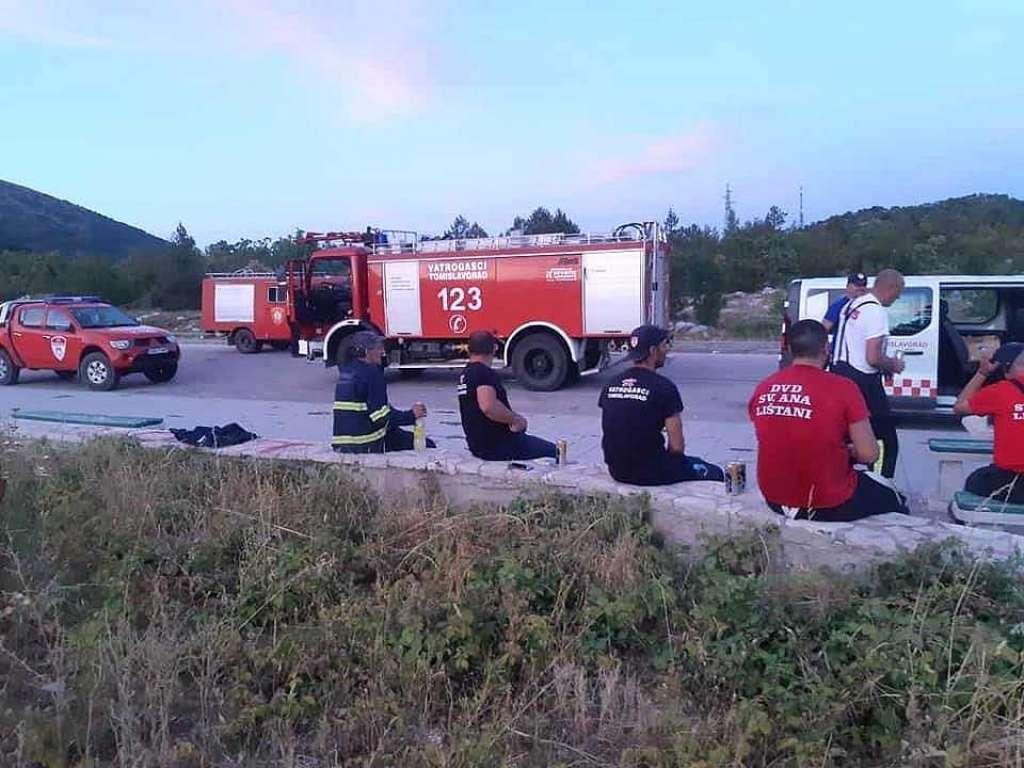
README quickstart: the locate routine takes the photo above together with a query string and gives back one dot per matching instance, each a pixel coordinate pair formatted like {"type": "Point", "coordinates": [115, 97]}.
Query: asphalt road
{"type": "Point", "coordinates": [715, 387]}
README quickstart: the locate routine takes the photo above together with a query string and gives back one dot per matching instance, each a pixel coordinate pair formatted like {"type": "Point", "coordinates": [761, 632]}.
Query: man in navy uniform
{"type": "Point", "coordinates": [637, 407]}
{"type": "Point", "coordinates": [364, 421]}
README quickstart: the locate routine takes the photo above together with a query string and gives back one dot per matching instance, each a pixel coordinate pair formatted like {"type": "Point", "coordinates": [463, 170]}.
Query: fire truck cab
{"type": "Point", "coordinates": [560, 304]}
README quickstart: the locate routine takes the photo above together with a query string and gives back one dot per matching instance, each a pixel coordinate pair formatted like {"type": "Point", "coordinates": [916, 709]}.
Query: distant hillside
{"type": "Point", "coordinates": [32, 221]}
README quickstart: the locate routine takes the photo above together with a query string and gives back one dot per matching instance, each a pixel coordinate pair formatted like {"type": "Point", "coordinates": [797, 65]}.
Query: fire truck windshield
{"type": "Point", "coordinates": [102, 317]}
{"type": "Point", "coordinates": [332, 268]}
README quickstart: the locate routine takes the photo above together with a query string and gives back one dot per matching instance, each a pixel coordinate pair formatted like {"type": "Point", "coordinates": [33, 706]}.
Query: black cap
{"type": "Point", "coordinates": [1008, 353]}
{"type": "Point", "coordinates": [363, 342]}
{"type": "Point", "coordinates": [857, 278]}
{"type": "Point", "coordinates": [643, 338]}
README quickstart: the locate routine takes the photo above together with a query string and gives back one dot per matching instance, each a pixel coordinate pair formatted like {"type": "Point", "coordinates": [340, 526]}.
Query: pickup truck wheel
{"type": "Point", "coordinates": [541, 362]}
{"type": "Point", "coordinates": [161, 374]}
{"type": "Point", "coordinates": [66, 375]}
{"type": "Point", "coordinates": [9, 372]}
{"type": "Point", "coordinates": [246, 342]}
{"type": "Point", "coordinates": [97, 372]}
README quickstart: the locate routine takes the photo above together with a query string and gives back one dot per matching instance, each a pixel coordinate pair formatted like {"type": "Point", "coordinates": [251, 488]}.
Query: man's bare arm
{"type": "Point", "coordinates": [876, 357]}
{"type": "Point", "coordinates": [674, 430]}
{"type": "Point", "coordinates": [493, 408]}
{"type": "Point", "coordinates": [865, 444]}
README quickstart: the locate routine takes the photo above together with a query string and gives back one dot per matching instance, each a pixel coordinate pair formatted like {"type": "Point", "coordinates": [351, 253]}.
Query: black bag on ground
{"type": "Point", "coordinates": [214, 437]}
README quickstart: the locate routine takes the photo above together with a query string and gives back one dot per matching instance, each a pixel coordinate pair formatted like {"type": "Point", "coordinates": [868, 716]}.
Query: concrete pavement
{"type": "Point", "coordinates": [277, 396]}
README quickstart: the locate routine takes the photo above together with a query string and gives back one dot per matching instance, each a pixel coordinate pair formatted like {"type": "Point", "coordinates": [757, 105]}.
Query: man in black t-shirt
{"type": "Point", "coordinates": [493, 430]}
{"type": "Point", "coordinates": [637, 407]}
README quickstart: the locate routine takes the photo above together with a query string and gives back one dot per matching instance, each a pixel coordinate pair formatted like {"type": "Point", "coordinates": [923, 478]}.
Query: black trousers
{"type": "Point", "coordinates": [670, 468]}
{"type": "Point", "coordinates": [395, 440]}
{"type": "Point", "coordinates": [883, 423]}
{"type": "Point", "coordinates": [996, 483]}
{"type": "Point", "coordinates": [870, 498]}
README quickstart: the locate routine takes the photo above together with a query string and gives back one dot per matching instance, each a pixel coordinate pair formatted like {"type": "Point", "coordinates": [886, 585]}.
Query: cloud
{"type": "Point", "coordinates": [673, 153]}
{"type": "Point", "coordinates": [376, 55]}
{"type": "Point", "coordinates": [375, 59]}
{"type": "Point", "coordinates": [39, 21]}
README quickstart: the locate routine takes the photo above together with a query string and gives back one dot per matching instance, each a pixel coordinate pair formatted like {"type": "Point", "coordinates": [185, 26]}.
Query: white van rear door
{"type": "Point", "coordinates": [914, 331]}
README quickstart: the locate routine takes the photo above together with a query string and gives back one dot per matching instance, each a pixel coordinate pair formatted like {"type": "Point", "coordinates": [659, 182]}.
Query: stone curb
{"type": "Point", "coordinates": [683, 514]}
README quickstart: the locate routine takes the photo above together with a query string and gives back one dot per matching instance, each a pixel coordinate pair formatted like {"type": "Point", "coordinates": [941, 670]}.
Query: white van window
{"type": "Point", "coordinates": [972, 306]}
{"type": "Point", "coordinates": [911, 313]}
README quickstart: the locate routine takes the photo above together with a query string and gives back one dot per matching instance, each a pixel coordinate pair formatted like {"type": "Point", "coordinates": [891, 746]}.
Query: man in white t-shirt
{"type": "Point", "coordinates": [859, 355]}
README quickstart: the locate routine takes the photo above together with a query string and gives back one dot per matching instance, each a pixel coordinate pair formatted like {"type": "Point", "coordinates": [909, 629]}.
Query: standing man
{"type": "Point", "coordinates": [494, 432]}
{"type": "Point", "coordinates": [859, 354]}
{"type": "Point", "coordinates": [1003, 479]}
{"type": "Point", "coordinates": [637, 407]}
{"type": "Point", "coordinates": [811, 426]}
{"type": "Point", "coordinates": [364, 422]}
{"type": "Point", "coordinates": [856, 286]}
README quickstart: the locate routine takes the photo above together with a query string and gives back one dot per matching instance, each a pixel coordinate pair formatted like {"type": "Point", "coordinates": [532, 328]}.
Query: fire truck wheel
{"type": "Point", "coordinates": [162, 373]}
{"type": "Point", "coordinates": [541, 362]}
{"type": "Point", "coordinates": [97, 372]}
{"type": "Point", "coordinates": [9, 372]}
{"type": "Point", "coordinates": [246, 342]}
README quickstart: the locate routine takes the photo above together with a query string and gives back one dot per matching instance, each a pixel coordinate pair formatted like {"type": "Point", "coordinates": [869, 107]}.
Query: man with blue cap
{"type": "Point", "coordinates": [639, 408]}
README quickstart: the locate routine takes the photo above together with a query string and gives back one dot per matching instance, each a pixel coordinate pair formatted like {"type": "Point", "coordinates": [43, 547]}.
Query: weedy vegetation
{"type": "Point", "coordinates": [178, 609]}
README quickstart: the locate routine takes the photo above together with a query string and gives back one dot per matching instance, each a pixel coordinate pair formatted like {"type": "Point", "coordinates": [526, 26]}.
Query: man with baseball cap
{"type": "Point", "coordinates": [494, 432]}
{"type": "Point", "coordinates": [1003, 402]}
{"type": "Point", "coordinates": [856, 286]}
{"type": "Point", "coordinates": [637, 407]}
{"type": "Point", "coordinates": [364, 422]}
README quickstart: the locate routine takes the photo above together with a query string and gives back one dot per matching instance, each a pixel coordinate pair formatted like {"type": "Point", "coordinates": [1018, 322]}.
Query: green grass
{"type": "Point", "coordinates": [176, 609]}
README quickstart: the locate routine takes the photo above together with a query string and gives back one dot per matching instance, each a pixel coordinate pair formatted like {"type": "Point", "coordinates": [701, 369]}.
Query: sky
{"type": "Point", "coordinates": [251, 118]}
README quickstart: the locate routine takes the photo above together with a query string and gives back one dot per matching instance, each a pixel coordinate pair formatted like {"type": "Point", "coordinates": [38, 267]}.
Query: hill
{"type": "Point", "coordinates": [33, 221]}
{"type": "Point", "coordinates": [977, 234]}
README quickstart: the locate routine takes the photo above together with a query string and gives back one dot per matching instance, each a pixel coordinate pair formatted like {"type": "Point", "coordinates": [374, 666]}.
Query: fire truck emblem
{"type": "Point", "coordinates": [277, 316]}
{"type": "Point", "coordinates": [59, 347]}
{"type": "Point", "coordinates": [458, 323]}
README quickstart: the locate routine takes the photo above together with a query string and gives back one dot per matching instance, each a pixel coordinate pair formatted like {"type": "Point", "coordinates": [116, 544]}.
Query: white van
{"type": "Point", "coordinates": [940, 324]}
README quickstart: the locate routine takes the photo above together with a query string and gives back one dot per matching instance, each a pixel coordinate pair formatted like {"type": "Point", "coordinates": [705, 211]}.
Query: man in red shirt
{"type": "Point", "coordinates": [811, 426]}
{"type": "Point", "coordinates": [1003, 401]}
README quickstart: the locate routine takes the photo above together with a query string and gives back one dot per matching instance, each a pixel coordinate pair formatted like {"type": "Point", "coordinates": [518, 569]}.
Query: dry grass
{"type": "Point", "coordinates": [171, 609]}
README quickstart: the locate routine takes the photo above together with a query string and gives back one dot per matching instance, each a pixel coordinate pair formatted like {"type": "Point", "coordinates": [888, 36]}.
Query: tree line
{"type": "Point", "coordinates": [973, 235]}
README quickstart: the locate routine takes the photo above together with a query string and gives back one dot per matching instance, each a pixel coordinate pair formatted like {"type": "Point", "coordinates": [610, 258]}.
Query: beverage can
{"type": "Point", "coordinates": [563, 452]}
{"type": "Point", "coordinates": [735, 477]}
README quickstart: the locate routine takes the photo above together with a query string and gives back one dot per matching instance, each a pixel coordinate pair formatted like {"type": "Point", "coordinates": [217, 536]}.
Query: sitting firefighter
{"type": "Point", "coordinates": [364, 422]}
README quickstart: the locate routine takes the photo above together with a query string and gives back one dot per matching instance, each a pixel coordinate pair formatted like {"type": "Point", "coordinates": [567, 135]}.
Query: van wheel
{"type": "Point", "coordinates": [9, 372]}
{"type": "Point", "coordinates": [97, 372]}
{"type": "Point", "coordinates": [246, 342]}
{"type": "Point", "coordinates": [161, 374]}
{"type": "Point", "coordinates": [541, 362]}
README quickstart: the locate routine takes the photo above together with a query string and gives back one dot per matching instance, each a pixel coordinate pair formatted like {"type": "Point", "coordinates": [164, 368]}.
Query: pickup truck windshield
{"type": "Point", "coordinates": [102, 317]}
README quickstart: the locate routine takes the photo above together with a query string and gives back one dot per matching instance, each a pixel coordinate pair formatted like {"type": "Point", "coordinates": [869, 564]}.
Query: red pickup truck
{"type": "Point", "coordinates": [83, 337]}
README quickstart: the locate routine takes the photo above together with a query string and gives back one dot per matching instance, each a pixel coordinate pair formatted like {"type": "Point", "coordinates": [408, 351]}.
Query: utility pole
{"type": "Point", "coordinates": [801, 206]}
{"type": "Point", "coordinates": [730, 213]}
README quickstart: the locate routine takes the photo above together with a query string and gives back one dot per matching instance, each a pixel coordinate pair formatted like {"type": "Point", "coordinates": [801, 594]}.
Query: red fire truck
{"type": "Point", "coordinates": [249, 308]}
{"type": "Point", "coordinates": [561, 304]}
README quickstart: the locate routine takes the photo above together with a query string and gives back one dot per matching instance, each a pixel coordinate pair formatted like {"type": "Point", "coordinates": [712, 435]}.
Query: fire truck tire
{"type": "Point", "coordinates": [97, 372]}
{"type": "Point", "coordinates": [541, 362]}
{"type": "Point", "coordinates": [9, 372]}
{"type": "Point", "coordinates": [246, 342]}
{"type": "Point", "coordinates": [161, 374]}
